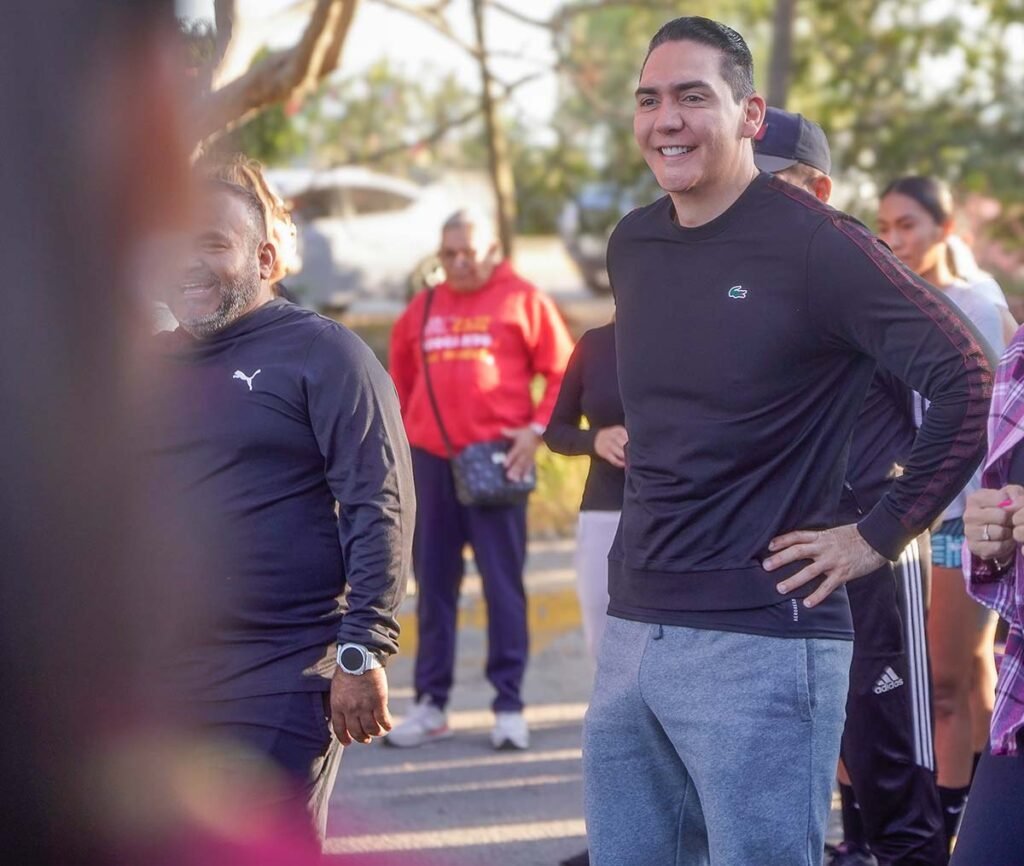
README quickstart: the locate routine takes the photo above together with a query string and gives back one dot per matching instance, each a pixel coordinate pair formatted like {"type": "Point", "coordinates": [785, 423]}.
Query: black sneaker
{"type": "Point", "coordinates": [581, 859]}
{"type": "Point", "coordinates": [846, 854]}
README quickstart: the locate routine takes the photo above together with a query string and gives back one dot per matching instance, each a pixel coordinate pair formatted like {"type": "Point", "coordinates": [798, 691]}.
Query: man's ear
{"type": "Point", "coordinates": [754, 110]}
{"type": "Point", "coordinates": [267, 253]}
{"type": "Point", "coordinates": [947, 229]}
{"type": "Point", "coordinates": [822, 187]}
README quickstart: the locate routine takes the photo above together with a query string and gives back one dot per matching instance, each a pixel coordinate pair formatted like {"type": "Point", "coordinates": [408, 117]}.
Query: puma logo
{"type": "Point", "coordinates": [248, 379]}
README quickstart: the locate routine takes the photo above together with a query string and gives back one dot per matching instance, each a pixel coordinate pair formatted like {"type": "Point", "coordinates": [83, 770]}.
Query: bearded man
{"type": "Point", "coordinates": [284, 428]}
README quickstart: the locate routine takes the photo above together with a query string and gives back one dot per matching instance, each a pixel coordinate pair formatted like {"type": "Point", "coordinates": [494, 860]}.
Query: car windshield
{"type": "Point", "coordinates": [314, 204]}
{"type": "Point", "coordinates": [367, 200]}
{"type": "Point", "coordinates": [347, 201]}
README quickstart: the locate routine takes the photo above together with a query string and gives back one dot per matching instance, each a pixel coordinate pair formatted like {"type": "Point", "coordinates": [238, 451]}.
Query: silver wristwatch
{"type": "Point", "coordinates": [355, 659]}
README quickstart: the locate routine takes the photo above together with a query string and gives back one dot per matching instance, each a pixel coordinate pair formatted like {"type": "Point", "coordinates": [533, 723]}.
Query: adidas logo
{"type": "Point", "coordinates": [887, 682]}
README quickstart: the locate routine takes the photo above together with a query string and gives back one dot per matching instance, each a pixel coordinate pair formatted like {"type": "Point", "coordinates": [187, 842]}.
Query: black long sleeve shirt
{"type": "Point", "coordinates": [745, 349]}
{"type": "Point", "coordinates": [883, 439]}
{"type": "Point", "coordinates": [273, 421]}
{"type": "Point", "coordinates": [590, 390]}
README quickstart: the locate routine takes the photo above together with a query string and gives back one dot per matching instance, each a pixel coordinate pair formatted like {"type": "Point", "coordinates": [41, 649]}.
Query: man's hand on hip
{"type": "Point", "coordinates": [522, 453]}
{"type": "Point", "coordinates": [359, 706]}
{"type": "Point", "coordinates": [841, 554]}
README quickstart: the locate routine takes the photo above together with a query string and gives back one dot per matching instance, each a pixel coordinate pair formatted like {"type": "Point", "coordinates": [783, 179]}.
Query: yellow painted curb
{"type": "Point", "coordinates": [550, 614]}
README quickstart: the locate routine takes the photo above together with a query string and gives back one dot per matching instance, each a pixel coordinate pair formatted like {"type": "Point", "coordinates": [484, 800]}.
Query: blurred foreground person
{"type": "Point", "coordinates": [95, 170]}
{"type": "Point", "coordinates": [101, 565]}
{"type": "Point", "coordinates": [464, 356]}
{"type": "Point", "coordinates": [992, 831]}
{"type": "Point", "coordinates": [95, 167]}
{"type": "Point", "coordinates": [278, 417]}
{"type": "Point", "coordinates": [890, 802]}
{"type": "Point", "coordinates": [750, 318]}
{"type": "Point", "coordinates": [915, 217]}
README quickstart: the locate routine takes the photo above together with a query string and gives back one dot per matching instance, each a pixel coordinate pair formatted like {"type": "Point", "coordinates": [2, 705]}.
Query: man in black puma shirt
{"type": "Point", "coordinates": [285, 431]}
{"type": "Point", "coordinates": [750, 320]}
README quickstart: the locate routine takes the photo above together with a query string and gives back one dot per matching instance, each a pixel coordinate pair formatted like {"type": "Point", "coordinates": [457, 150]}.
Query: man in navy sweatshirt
{"type": "Point", "coordinates": [284, 430]}
{"type": "Point", "coordinates": [750, 320]}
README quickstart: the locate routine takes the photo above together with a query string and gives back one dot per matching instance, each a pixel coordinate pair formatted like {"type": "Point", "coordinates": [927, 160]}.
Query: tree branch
{"type": "Point", "coordinates": [439, 132]}
{"type": "Point", "coordinates": [433, 17]}
{"type": "Point", "coordinates": [224, 14]}
{"type": "Point", "coordinates": [432, 137]}
{"type": "Point", "coordinates": [576, 9]}
{"type": "Point", "coordinates": [283, 75]}
{"type": "Point", "coordinates": [565, 13]}
{"type": "Point", "coordinates": [332, 53]}
{"type": "Point", "coordinates": [511, 12]}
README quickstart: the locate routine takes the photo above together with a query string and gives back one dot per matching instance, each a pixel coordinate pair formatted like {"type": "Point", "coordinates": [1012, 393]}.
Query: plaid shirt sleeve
{"type": "Point", "coordinates": [1002, 589]}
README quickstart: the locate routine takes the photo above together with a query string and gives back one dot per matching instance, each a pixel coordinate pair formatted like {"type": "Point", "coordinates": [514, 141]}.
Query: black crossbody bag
{"type": "Point", "coordinates": [478, 469]}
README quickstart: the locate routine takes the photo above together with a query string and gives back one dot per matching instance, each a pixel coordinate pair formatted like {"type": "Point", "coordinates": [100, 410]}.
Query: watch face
{"type": "Point", "coordinates": [351, 659]}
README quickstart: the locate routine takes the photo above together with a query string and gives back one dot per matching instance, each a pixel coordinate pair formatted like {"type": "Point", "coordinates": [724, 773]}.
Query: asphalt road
{"type": "Point", "coordinates": [458, 802]}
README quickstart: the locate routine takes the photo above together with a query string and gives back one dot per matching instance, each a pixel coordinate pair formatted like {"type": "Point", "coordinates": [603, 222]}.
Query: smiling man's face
{"type": "Point", "coordinates": [690, 128]}
{"type": "Point", "coordinates": [225, 278]}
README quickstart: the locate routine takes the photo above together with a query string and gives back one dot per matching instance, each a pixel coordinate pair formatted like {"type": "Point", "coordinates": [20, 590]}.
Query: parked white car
{"type": "Point", "coordinates": [365, 236]}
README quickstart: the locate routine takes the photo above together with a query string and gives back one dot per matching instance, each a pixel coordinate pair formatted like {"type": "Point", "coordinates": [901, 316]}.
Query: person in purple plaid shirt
{"type": "Point", "coordinates": [992, 832]}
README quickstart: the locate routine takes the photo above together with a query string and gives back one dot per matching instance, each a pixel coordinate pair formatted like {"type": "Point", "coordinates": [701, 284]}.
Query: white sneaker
{"type": "Point", "coordinates": [510, 731]}
{"type": "Point", "coordinates": [424, 724]}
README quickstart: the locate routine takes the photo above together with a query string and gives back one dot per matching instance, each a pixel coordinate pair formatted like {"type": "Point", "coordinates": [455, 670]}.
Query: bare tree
{"type": "Point", "coordinates": [291, 73]}
{"type": "Point", "coordinates": [502, 178]}
{"type": "Point", "coordinates": [433, 15]}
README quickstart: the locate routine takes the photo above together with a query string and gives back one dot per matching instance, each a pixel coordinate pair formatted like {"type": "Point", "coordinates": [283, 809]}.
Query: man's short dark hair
{"type": "Point", "coordinates": [253, 206]}
{"type": "Point", "coordinates": [737, 62]}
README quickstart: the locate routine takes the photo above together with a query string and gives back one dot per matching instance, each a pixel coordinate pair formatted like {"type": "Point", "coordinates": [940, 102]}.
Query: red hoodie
{"type": "Point", "coordinates": [484, 349]}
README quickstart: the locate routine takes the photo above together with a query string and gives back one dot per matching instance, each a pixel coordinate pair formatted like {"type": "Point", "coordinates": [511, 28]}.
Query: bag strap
{"type": "Point", "coordinates": [426, 376]}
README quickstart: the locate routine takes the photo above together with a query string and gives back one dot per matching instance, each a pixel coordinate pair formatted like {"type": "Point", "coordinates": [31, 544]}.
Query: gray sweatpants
{"type": "Point", "coordinates": [709, 747]}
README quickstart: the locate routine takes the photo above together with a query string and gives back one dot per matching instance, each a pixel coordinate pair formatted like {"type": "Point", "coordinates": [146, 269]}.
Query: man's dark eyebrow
{"type": "Point", "coordinates": [675, 88]}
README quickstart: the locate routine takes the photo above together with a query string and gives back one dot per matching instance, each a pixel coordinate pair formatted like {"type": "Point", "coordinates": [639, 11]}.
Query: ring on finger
{"type": "Point", "coordinates": [984, 533]}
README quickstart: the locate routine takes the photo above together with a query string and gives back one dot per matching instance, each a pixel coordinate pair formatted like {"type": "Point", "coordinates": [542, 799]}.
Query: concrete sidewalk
{"type": "Point", "coordinates": [457, 802]}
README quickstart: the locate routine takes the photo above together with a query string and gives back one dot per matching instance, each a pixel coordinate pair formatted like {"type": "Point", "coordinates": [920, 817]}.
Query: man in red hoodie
{"type": "Point", "coordinates": [484, 337]}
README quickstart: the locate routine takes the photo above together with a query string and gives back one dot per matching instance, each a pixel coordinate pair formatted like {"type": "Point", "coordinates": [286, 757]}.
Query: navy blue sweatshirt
{"type": "Point", "coordinates": [745, 350]}
{"type": "Point", "coordinates": [590, 389]}
{"type": "Point", "coordinates": [272, 423]}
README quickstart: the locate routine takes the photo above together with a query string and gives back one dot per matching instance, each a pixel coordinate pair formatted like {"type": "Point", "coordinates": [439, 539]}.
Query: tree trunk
{"type": "Point", "coordinates": [782, 52]}
{"type": "Point", "coordinates": [502, 178]}
{"type": "Point", "coordinates": [287, 74]}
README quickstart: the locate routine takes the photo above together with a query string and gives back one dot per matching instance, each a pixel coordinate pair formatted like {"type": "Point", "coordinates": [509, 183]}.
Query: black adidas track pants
{"type": "Point", "coordinates": [887, 742]}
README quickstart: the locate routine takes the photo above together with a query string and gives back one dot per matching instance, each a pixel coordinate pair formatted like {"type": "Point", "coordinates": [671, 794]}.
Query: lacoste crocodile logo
{"type": "Point", "coordinates": [738, 292]}
{"type": "Point", "coordinates": [248, 379]}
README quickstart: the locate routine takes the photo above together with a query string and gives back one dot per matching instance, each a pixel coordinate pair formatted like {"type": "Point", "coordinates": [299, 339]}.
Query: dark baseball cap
{"type": "Point", "coordinates": [785, 139]}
